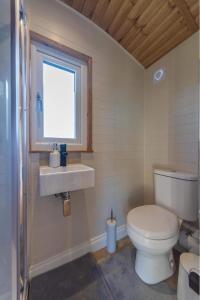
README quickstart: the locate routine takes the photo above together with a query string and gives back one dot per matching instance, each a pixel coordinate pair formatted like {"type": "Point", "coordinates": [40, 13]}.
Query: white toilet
{"type": "Point", "coordinates": [154, 229]}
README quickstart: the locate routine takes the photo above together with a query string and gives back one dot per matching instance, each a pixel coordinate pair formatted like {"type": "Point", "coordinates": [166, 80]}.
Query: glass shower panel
{"type": "Point", "coordinates": [7, 242]}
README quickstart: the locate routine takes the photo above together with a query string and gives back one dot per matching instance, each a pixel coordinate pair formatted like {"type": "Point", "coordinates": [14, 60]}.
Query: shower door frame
{"type": "Point", "coordinates": [24, 41]}
{"type": "Point", "coordinates": [15, 148]}
{"type": "Point", "coordinates": [17, 145]}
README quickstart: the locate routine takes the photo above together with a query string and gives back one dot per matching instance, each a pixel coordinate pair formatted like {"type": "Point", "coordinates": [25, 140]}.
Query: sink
{"type": "Point", "coordinates": [73, 177]}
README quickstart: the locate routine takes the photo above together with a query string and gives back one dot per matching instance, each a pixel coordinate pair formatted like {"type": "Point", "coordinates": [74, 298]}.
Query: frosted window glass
{"type": "Point", "coordinates": [59, 102]}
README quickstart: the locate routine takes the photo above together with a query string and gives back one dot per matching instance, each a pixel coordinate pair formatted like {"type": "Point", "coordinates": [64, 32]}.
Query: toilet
{"type": "Point", "coordinates": [154, 229]}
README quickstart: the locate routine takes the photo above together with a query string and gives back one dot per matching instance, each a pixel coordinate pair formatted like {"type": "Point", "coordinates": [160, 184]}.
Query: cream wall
{"type": "Point", "coordinates": [171, 113]}
{"type": "Point", "coordinates": [118, 135]}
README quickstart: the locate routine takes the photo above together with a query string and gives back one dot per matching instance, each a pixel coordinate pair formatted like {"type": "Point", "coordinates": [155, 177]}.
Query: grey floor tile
{"type": "Point", "coordinates": [123, 259]}
{"type": "Point", "coordinates": [124, 283]}
{"type": "Point", "coordinates": [112, 279]}
{"type": "Point", "coordinates": [95, 291]}
{"type": "Point", "coordinates": [69, 280]}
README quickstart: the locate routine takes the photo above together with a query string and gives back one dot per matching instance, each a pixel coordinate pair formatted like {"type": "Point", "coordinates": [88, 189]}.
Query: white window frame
{"type": "Point", "coordinates": [39, 53]}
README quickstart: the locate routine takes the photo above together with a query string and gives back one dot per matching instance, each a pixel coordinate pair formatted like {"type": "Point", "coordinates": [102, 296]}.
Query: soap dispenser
{"type": "Point", "coordinates": [54, 157]}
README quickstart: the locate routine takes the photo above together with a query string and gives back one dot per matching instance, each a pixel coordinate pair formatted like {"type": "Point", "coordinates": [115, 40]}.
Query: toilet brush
{"type": "Point", "coordinates": [111, 233]}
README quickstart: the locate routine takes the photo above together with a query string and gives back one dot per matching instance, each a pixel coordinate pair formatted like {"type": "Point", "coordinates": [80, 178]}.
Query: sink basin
{"type": "Point", "coordinates": [65, 179]}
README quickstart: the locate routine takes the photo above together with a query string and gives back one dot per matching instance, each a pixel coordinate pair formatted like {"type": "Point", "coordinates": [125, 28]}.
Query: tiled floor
{"type": "Point", "coordinates": [113, 278]}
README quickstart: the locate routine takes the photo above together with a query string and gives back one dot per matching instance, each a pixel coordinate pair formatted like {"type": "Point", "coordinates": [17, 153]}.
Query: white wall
{"type": "Point", "coordinates": [118, 132]}
{"type": "Point", "coordinates": [171, 113]}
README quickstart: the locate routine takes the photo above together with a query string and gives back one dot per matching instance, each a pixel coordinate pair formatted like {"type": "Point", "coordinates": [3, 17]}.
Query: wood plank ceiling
{"type": "Point", "coordinates": [147, 29]}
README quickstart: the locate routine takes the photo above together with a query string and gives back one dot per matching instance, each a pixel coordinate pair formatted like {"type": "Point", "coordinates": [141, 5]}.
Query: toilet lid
{"type": "Point", "coordinates": [153, 222]}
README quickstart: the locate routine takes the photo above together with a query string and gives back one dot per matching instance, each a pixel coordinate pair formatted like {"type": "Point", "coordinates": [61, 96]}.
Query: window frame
{"type": "Point", "coordinates": [69, 56]}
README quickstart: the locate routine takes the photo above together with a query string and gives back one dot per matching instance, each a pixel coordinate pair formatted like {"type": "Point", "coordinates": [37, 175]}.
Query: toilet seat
{"type": "Point", "coordinates": [153, 222]}
{"type": "Point", "coordinates": [151, 246]}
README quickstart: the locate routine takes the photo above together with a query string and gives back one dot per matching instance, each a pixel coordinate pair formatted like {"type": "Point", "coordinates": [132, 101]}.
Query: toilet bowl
{"type": "Point", "coordinates": [153, 231]}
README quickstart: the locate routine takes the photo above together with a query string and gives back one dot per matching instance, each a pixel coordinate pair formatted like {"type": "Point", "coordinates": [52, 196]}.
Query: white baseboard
{"type": "Point", "coordinates": [60, 259]}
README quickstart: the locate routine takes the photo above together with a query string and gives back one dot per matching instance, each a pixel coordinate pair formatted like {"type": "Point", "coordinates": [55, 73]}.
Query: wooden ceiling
{"type": "Point", "coordinates": [147, 29]}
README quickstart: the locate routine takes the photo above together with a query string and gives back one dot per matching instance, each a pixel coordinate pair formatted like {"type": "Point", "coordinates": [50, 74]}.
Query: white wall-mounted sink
{"type": "Point", "coordinates": [65, 179]}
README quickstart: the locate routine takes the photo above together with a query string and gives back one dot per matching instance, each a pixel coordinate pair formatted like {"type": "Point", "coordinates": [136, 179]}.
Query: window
{"type": "Point", "coordinates": [59, 84]}
{"type": "Point", "coordinates": [60, 96]}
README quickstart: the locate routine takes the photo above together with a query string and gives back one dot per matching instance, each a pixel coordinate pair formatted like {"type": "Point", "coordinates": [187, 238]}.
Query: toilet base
{"type": "Point", "coordinates": [154, 268]}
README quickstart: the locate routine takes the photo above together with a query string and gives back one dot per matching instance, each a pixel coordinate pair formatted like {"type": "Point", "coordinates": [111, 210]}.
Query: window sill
{"type": "Point", "coordinates": [70, 151]}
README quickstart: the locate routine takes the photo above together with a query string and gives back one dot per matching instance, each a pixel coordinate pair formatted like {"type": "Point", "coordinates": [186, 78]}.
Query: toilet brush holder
{"type": "Point", "coordinates": [111, 226]}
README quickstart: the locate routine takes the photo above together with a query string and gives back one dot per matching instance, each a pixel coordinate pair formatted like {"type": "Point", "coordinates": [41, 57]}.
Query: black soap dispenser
{"type": "Point", "coordinates": [63, 155]}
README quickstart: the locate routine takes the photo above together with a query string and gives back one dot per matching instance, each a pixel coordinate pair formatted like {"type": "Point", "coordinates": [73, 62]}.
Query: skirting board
{"type": "Point", "coordinates": [60, 259]}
